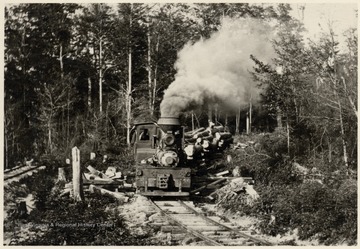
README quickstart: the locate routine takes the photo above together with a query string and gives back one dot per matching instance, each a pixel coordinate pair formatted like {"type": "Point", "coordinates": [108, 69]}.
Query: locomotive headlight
{"type": "Point", "coordinates": [169, 139]}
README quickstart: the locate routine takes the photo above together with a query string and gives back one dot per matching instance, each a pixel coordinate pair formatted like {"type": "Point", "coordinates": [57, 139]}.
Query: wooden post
{"type": "Point", "coordinates": [77, 179]}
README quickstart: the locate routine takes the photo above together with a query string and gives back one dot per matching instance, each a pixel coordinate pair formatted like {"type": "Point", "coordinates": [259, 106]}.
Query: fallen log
{"type": "Point", "coordinates": [223, 135]}
{"type": "Point", "coordinates": [95, 180]}
{"type": "Point", "coordinates": [195, 191]}
{"type": "Point", "coordinates": [116, 195]}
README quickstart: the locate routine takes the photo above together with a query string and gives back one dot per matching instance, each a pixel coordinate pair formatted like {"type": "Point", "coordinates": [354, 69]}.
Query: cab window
{"type": "Point", "coordinates": [144, 135]}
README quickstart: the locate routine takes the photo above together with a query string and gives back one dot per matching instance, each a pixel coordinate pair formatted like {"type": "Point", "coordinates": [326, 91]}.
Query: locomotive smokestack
{"type": "Point", "coordinates": [169, 123]}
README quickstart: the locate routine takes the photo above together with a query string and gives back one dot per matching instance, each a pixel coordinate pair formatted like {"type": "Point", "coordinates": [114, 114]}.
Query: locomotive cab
{"type": "Point", "coordinates": [161, 168]}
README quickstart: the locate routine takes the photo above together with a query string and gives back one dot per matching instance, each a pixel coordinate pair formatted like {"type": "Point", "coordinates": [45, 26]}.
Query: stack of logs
{"type": "Point", "coordinates": [201, 141]}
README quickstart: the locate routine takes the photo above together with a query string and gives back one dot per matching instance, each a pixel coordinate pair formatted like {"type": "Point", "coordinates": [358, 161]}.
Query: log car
{"type": "Point", "coordinates": [161, 168]}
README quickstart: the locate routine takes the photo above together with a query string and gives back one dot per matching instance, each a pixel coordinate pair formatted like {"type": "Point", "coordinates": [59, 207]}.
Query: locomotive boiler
{"type": "Point", "coordinates": [161, 164]}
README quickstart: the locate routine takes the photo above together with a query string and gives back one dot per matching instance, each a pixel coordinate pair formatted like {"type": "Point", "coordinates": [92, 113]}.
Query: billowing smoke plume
{"type": "Point", "coordinates": [217, 69]}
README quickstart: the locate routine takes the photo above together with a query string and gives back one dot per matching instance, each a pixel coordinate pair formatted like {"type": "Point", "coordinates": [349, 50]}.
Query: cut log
{"type": "Point", "coordinates": [202, 134]}
{"type": "Point", "coordinates": [218, 128]}
{"type": "Point", "coordinates": [111, 171]}
{"type": "Point", "coordinates": [96, 172]}
{"type": "Point", "coordinates": [205, 144]}
{"type": "Point", "coordinates": [224, 143]}
{"type": "Point", "coordinates": [198, 148]}
{"type": "Point", "coordinates": [208, 138]}
{"type": "Point", "coordinates": [210, 184]}
{"type": "Point", "coordinates": [116, 195]}
{"type": "Point", "coordinates": [65, 192]}
{"type": "Point", "coordinates": [192, 133]}
{"type": "Point", "coordinates": [223, 135]}
{"type": "Point", "coordinates": [222, 173]}
{"type": "Point", "coordinates": [190, 140]}
{"type": "Point", "coordinates": [215, 143]}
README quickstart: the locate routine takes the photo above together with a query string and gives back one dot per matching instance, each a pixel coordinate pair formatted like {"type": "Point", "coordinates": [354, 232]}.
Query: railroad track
{"type": "Point", "coordinates": [187, 219]}
{"type": "Point", "coordinates": [18, 171]}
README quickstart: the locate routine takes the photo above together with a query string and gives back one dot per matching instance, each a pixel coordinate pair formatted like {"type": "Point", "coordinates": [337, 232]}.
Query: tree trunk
{"type": "Point", "coordinates": [216, 113]}
{"type": "Point", "coordinates": [247, 123]}
{"type": "Point", "coordinates": [50, 135]}
{"type": "Point", "coordinates": [279, 117]}
{"type": "Point", "coordinates": [150, 84]}
{"type": "Point", "coordinates": [6, 149]}
{"type": "Point", "coordinates": [288, 136]}
{"type": "Point", "coordinates": [129, 86]}
{"type": "Point", "coordinates": [192, 121]}
{"type": "Point", "coordinates": [210, 116]}
{"type": "Point", "coordinates": [250, 115]}
{"type": "Point", "coordinates": [100, 77]}
{"type": "Point", "coordinates": [226, 121]}
{"type": "Point", "coordinates": [336, 93]}
{"type": "Point", "coordinates": [237, 122]}
{"type": "Point", "coordinates": [68, 118]}
{"type": "Point", "coordinates": [345, 156]}
{"type": "Point", "coordinates": [155, 80]}
{"type": "Point", "coordinates": [353, 106]}
{"type": "Point", "coordinates": [89, 94]}
{"type": "Point", "coordinates": [61, 61]}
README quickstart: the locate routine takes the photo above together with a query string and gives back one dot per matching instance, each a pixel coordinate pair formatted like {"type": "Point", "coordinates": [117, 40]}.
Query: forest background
{"type": "Point", "coordinates": [77, 74]}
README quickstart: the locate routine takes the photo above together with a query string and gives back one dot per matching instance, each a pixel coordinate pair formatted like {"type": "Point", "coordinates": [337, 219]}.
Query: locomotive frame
{"type": "Point", "coordinates": [161, 167]}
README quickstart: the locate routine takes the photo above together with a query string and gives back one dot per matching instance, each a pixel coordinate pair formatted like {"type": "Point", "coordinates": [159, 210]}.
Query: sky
{"type": "Point", "coordinates": [316, 17]}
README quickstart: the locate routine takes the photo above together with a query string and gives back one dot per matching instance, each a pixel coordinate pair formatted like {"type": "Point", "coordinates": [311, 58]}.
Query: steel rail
{"type": "Point", "coordinates": [236, 231]}
{"type": "Point", "coordinates": [191, 231]}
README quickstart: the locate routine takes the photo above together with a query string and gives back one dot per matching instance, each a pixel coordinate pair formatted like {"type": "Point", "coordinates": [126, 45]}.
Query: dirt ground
{"type": "Point", "coordinates": [139, 215]}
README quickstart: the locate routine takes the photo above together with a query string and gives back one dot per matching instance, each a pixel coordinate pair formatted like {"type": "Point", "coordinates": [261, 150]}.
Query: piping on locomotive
{"type": "Point", "coordinates": [161, 163]}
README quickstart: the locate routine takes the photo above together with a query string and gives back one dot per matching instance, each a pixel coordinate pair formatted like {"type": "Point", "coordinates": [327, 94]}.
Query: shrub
{"type": "Point", "coordinates": [324, 209]}
{"type": "Point", "coordinates": [86, 223]}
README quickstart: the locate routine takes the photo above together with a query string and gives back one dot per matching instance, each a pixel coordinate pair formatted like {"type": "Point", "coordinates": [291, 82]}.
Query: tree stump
{"type": "Point", "coordinates": [22, 210]}
{"type": "Point", "coordinates": [78, 193]}
{"type": "Point", "coordinates": [61, 175]}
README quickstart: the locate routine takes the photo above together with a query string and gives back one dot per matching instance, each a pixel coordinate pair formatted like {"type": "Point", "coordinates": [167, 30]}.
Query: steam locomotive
{"type": "Point", "coordinates": [162, 168]}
